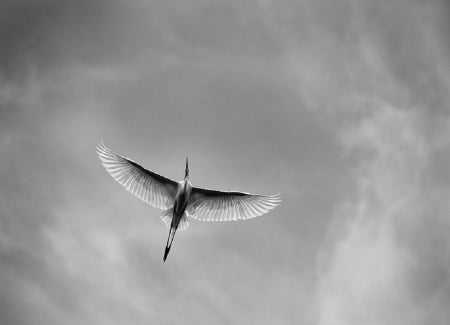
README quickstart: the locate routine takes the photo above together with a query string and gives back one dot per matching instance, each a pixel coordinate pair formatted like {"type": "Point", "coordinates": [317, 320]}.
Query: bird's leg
{"type": "Point", "coordinates": [169, 241]}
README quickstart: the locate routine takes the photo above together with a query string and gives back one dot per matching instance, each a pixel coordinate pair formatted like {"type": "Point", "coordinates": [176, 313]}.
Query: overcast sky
{"type": "Point", "coordinates": [343, 106]}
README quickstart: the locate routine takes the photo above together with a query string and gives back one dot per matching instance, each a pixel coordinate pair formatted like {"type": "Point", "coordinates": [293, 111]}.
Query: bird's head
{"type": "Point", "coordinates": [186, 172]}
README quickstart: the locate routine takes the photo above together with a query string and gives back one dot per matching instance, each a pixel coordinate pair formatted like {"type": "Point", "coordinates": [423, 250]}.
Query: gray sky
{"type": "Point", "coordinates": [342, 106]}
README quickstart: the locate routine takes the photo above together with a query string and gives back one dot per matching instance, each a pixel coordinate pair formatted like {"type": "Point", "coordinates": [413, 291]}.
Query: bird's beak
{"type": "Point", "coordinates": [186, 172]}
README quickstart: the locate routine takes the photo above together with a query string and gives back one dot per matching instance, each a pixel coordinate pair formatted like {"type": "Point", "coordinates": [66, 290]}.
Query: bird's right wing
{"type": "Point", "coordinates": [150, 187]}
{"type": "Point", "coordinates": [210, 205]}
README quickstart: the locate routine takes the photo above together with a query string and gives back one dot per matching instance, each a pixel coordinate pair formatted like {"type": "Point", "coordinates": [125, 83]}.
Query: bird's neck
{"type": "Point", "coordinates": [186, 187]}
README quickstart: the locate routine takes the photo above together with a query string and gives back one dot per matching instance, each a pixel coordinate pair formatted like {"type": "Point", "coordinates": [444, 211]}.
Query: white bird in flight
{"type": "Point", "coordinates": [181, 200]}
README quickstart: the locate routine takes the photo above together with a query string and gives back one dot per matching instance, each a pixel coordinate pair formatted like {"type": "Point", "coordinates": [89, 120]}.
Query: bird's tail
{"type": "Point", "coordinates": [172, 232]}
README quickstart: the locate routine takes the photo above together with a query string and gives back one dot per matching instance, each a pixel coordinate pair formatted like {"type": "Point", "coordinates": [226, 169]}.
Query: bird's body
{"type": "Point", "coordinates": [181, 200]}
{"type": "Point", "coordinates": [179, 207]}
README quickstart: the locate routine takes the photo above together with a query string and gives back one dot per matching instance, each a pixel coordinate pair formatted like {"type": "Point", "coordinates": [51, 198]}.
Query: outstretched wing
{"type": "Point", "coordinates": [150, 187]}
{"type": "Point", "coordinates": [210, 205]}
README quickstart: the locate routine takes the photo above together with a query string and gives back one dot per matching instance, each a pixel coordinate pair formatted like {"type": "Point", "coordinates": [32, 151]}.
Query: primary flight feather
{"type": "Point", "coordinates": [181, 200]}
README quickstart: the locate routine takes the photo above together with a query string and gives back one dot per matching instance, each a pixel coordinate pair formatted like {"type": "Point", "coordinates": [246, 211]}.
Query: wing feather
{"type": "Point", "coordinates": [148, 186]}
{"type": "Point", "coordinates": [211, 205]}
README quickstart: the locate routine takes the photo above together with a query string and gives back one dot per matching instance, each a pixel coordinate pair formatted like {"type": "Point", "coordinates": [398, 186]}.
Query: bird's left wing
{"type": "Point", "coordinates": [150, 187]}
{"type": "Point", "coordinates": [210, 205]}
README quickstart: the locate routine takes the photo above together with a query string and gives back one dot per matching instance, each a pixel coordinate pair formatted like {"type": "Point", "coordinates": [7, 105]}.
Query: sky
{"type": "Point", "coordinates": [343, 106]}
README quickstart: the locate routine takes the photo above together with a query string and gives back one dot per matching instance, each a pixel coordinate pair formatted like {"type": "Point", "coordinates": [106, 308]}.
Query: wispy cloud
{"type": "Point", "coordinates": [337, 104]}
{"type": "Point", "coordinates": [386, 257]}
{"type": "Point", "coordinates": [370, 272]}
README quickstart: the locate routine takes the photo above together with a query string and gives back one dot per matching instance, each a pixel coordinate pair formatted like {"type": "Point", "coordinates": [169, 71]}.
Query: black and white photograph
{"type": "Point", "coordinates": [225, 162]}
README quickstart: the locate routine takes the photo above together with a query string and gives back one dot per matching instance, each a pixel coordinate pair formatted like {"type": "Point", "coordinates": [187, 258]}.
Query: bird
{"type": "Point", "coordinates": [181, 200]}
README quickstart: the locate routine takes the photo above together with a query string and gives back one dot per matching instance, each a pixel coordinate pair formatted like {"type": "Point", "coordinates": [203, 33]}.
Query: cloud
{"type": "Point", "coordinates": [312, 99]}
{"type": "Point", "coordinates": [385, 260]}
{"type": "Point", "coordinates": [376, 270]}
